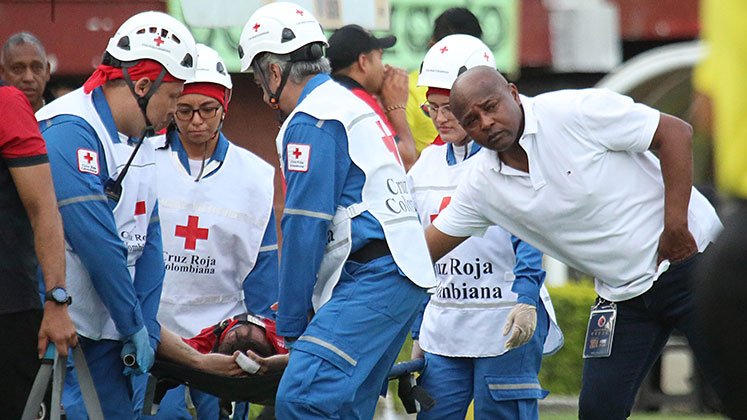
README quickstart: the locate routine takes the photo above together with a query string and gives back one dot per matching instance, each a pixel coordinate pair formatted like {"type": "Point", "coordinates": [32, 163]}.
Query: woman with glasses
{"type": "Point", "coordinates": [219, 237]}
{"type": "Point", "coordinates": [486, 327]}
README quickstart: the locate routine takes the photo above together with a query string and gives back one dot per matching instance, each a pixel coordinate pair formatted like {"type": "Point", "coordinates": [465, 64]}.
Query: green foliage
{"type": "Point", "coordinates": [561, 372]}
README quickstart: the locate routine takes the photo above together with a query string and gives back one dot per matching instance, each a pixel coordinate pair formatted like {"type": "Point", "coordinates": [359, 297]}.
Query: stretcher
{"type": "Point", "coordinates": [53, 366]}
{"type": "Point", "coordinates": [261, 389]}
{"type": "Point", "coordinates": [164, 375]}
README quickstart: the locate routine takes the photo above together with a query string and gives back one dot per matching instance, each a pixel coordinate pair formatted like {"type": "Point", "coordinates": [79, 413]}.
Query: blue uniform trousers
{"type": "Point", "coordinates": [336, 369]}
{"type": "Point", "coordinates": [503, 387]}
{"type": "Point", "coordinates": [113, 388]}
{"type": "Point", "coordinates": [644, 323]}
{"type": "Point", "coordinates": [174, 406]}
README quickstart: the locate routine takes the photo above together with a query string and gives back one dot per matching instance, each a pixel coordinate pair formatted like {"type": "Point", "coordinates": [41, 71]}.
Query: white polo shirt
{"type": "Point", "coordinates": [594, 194]}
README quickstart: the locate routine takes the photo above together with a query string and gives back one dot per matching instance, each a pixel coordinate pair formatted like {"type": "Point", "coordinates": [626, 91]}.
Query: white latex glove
{"type": "Point", "coordinates": [522, 320]}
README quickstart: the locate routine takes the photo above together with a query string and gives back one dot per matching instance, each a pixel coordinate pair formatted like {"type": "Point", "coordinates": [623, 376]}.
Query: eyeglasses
{"type": "Point", "coordinates": [432, 110]}
{"type": "Point", "coordinates": [187, 113]}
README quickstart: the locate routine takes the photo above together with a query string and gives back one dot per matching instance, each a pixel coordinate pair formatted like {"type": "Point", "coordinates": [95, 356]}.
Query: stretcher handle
{"type": "Point", "coordinates": [403, 368]}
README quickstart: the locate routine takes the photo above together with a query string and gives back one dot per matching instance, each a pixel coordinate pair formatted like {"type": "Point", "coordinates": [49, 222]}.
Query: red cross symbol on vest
{"type": "Point", "coordinates": [191, 232]}
{"type": "Point", "coordinates": [158, 40]}
{"type": "Point", "coordinates": [444, 202]}
{"type": "Point", "coordinates": [256, 27]}
{"type": "Point", "coordinates": [297, 153]}
{"type": "Point", "coordinates": [88, 157]}
{"type": "Point", "coordinates": [389, 142]}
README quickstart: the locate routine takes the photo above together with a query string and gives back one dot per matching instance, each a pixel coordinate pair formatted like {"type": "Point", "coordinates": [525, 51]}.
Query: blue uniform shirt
{"type": "Point", "coordinates": [90, 228]}
{"type": "Point", "coordinates": [312, 197]}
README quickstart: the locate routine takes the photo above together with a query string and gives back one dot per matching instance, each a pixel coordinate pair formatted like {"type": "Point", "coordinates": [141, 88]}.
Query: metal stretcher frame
{"type": "Point", "coordinates": [53, 366]}
{"type": "Point", "coordinates": [164, 375]}
{"type": "Point", "coordinates": [261, 389]}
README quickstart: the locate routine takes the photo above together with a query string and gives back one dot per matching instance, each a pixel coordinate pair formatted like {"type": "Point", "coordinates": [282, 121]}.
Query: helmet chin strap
{"type": "Point", "coordinates": [142, 101]}
{"type": "Point", "coordinates": [274, 97]}
{"type": "Point", "coordinates": [113, 187]}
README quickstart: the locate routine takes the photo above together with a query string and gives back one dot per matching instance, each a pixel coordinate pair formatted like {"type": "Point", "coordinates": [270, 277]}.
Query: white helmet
{"type": "Point", "coordinates": [159, 37]}
{"type": "Point", "coordinates": [280, 28]}
{"type": "Point", "coordinates": [450, 57]}
{"type": "Point", "coordinates": [210, 68]}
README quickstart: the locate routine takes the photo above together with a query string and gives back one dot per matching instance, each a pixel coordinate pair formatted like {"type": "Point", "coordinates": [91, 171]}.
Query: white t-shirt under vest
{"type": "Point", "coordinates": [91, 318]}
{"type": "Point", "coordinates": [212, 232]}
{"type": "Point", "coordinates": [384, 194]}
{"type": "Point", "coordinates": [466, 314]}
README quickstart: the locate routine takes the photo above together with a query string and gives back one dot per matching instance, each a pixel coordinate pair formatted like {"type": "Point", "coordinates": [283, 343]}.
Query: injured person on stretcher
{"type": "Point", "coordinates": [216, 349]}
{"type": "Point", "coordinates": [238, 359]}
{"type": "Point", "coordinates": [212, 362]}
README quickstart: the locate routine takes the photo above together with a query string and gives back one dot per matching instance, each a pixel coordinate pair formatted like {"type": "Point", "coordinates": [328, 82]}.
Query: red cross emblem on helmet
{"type": "Point", "coordinates": [158, 40]}
{"type": "Point", "coordinates": [256, 27]}
{"type": "Point", "coordinates": [444, 49]}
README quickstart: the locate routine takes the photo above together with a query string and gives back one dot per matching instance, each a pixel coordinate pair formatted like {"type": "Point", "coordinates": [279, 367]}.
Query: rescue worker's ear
{"type": "Point", "coordinates": [142, 86]}
{"type": "Point", "coordinates": [276, 74]}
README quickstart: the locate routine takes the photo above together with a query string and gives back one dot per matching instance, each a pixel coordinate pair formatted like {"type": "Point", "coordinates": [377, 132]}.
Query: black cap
{"type": "Point", "coordinates": [350, 41]}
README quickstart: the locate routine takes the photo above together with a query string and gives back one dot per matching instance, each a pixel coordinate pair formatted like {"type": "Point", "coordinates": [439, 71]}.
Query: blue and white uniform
{"type": "Point", "coordinates": [220, 242]}
{"type": "Point", "coordinates": [479, 283]}
{"type": "Point", "coordinates": [220, 246]}
{"type": "Point", "coordinates": [345, 193]}
{"type": "Point", "coordinates": [113, 249]}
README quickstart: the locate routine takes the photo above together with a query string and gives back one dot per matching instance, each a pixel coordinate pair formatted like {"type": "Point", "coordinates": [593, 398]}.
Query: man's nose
{"type": "Point", "coordinates": [28, 74]}
{"type": "Point", "coordinates": [486, 121]}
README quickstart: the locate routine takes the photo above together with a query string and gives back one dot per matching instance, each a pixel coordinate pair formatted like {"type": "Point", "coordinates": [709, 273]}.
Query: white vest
{"type": "Point", "coordinates": [212, 232]}
{"type": "Point", "coordinates": [465, 316]}
{"type": "Point", "coordinates": [91, 318]}
{"type": "Point", "coordinates": [384, 194]}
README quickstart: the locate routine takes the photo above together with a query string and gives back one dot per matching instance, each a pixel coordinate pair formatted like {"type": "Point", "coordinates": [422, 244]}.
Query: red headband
{"type": "Point", "coordinates": [144, 68]}
{"type": "Point", "coordinates": [268, 326]}
{"type": "Point", "coordinates": [437, 91]}
{"type": "Point", "coordinates": [211, 90]}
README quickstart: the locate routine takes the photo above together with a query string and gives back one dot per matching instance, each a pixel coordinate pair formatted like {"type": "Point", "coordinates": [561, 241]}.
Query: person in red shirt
{"type": "Point", "coordinates": [356, 59]}
{"type": "Point", "coordinates": [30, 238]}
{"type": "Point", "coordinates": [215, 349]}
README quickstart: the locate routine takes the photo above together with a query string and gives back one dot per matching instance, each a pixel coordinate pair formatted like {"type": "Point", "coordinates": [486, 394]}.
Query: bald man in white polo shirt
{"type": "Point", "coordinates": [572, 173]}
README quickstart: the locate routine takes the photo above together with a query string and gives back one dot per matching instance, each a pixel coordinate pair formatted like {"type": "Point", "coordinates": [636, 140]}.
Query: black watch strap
{"type": "Point", "coordinates": [58, 295]}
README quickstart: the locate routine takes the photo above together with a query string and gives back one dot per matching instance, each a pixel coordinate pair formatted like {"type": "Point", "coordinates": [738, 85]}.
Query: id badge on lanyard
{"type": "Point", "coordinates": [601, 329]}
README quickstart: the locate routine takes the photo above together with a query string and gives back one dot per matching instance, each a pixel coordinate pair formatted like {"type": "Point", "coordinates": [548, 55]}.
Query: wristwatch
{"type": "Point", "coordinates": [58, 295]}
